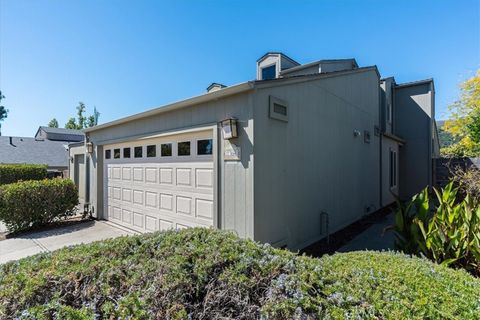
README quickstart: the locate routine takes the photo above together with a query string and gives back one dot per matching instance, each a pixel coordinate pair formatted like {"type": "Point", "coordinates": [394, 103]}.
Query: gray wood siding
{"type": "Point", "coordinates": [313, 163]}
{"type": "Point", "coordinates": [413, 122]}
{"type": "Point", "coordinates": [235, 178]}
{"type": "Point", "coordinates": [388, 194]}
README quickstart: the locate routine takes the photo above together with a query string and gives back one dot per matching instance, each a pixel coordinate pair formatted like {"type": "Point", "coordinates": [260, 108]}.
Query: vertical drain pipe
{"type": "Point", "coordinates": [325, 221]}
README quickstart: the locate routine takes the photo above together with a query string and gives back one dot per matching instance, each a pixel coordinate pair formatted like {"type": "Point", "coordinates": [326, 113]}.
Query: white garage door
{"type": "Point", "coordinates": [161, 183]}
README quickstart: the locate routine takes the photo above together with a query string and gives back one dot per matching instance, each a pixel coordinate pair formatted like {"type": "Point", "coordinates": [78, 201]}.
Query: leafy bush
{"type": "Point", "coordinates": [467, 180]}
{"type": "Point", "coordinates": [34, 203]}
{"type": "Point", "coordinates": [11, 173]}
{"type": "Point", "coordinates": [206, 274]}
{"type": "Point", "coordinates": [450, 236]}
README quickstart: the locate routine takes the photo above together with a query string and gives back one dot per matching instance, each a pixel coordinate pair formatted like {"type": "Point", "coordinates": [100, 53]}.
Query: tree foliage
{"type": "Point", "coordinates": [82, 121]}
{"type": "Point", "coordinates": [53, 123]}
{"type": "Point", "coordinates": [3, 111]}
{"type": "Point", "coordinates": [464, 125]}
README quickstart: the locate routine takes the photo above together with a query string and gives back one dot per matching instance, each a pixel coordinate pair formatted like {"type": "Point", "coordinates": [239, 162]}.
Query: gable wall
{"type": "Point", "coordinates": [313, 163]}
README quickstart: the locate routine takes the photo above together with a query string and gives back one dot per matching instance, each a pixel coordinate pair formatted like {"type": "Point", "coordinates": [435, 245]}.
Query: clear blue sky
{"type": "Point", "coordinates": [129, 56]}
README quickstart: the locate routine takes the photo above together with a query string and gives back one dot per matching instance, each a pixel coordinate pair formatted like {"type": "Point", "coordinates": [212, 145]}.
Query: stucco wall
{"type": "Point", "coordinates": [313, 162]}
{"type": "Point", "coordinates": [235, 178]}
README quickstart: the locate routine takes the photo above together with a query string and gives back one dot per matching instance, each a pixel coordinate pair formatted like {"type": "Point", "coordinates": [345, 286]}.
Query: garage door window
{"type": "Point", "coordinates": [204, 147]}
{"type": "Point", "coordinates": [116, 153]}
{"type": "Point", "coordinates": [138, 152]}
{"type": "Point", "coordinates": [151, 151]}
{"type": "Point", "coordinates": [184, 148]}
{"type": "Point", "coordinates": [126, 153]}
{"type": "Point", "coordinates": [166, 149]}
{"type": "Point", "coordinates": [108, 154]}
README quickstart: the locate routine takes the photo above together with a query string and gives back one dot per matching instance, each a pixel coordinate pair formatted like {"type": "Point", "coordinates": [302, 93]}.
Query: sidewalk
{"type": "Point", "coordinates": [49, 240]}
{"type": "Point", "coordinates": [373, 237]}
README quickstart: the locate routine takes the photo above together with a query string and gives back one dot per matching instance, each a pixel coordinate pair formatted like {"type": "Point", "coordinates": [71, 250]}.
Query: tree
{"type": "Point", "coordinates": [464, 124]}
{"type": "Point", "coordinates": [82, 122]}
{"type": "Point", "coordinates": [53, 123]}
{"type": "Point", "coordinates": [3, 112]}
{"type": "Point", "coordinates": [93, 119]}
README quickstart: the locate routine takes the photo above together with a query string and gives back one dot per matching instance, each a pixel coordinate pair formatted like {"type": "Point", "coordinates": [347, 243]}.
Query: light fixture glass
{"type": "Point", "coordinates": [89, 148]}
{"type": "Point", "coordinates": [229, 128]}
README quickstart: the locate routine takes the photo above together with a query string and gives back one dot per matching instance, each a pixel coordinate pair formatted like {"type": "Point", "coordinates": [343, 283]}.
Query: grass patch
{"type": "Point", "coordinates": [206, 274]}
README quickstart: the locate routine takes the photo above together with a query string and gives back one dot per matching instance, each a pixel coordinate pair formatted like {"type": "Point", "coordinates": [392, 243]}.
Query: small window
{"type": "Point", "coordinates": [138, 151]}
{"type": "Point", "coordinates": [393, 168]}
{"type": "Point", "coordinates": [278, 109]}
{"type": "Point", "coordinates": [116, 153]}
{"type": "Point", "coordinates": [166, 150]}
{"type": "Point", "coordinates": [269, 72]}
{"type": "Point", "coordinates": [184, 148]}
{"type": "Point", "coordinates": [204, 147]}
{"type": "Point", "coordinates": [151, 151]}
{"type": "Point", "coordinates": [126, 152]}
{"type": "Point", "coordinates": [108, 154]}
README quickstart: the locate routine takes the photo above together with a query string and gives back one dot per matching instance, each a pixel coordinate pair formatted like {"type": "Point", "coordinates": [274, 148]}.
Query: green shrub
{"type": "Point", "coordinates": [207, 274]}
{"type": "Point", "coordinates": [33, 203]}
{"type": "Point", "coordinates": [451, 235]}
{"type": "Point", "coordinates": [11, 173]}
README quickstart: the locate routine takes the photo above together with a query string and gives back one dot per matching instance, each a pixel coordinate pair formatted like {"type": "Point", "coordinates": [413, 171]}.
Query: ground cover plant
{"type": "Point", "coordinates": [11, 173]}
{"type": "Point", "coordinates": [207, 274]}
{"type": "Point", "coordinates": [34, 203]}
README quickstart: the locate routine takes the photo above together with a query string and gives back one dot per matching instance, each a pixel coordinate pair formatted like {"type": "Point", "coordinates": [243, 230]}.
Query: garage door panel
{"type": "Point", "coordinates": [204, 208]}
{"type": "Point", "coordinates": [151, 199]}
{"type": "Point", "coordinates": [138, 174]}
{"type": "Point", "coordinates": [166, 176]}
{"type": "Point", "coordinates": [150, 194]}
{"type": "Point", "coordinates": [184, 177]}
{"type": "Point", "coordinates": [166, 224]}
{"type": "Point", "coordinates": [151, 223]}
{"type": "Point", "coordinates": [184, 205]}
{"type": "Point", "coordinates": [204, 178]}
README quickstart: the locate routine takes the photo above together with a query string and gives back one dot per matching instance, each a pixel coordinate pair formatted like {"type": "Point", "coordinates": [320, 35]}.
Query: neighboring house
{"type": "Point", "coordinates": [59, 134]}
{"type": "Point", "coordinates": [49, 147]}
{"type": "Point", "coordinates": [319, 146]}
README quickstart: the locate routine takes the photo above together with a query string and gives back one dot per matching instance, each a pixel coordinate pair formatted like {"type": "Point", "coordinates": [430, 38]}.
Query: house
{"type": "Point", "coordinates": [49, 147]}
{"type": "Point", "coordinates": [298, 153]}
{"type": "Point", "coordinates": [59, 134]}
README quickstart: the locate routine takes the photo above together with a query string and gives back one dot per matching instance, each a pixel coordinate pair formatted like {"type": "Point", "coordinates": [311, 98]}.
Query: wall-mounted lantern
{"type": "Point", "coordinates": [229, 128]}
{"type": "Point", "coordinates": [89, 147]}
{"type": "Point", "coordinates": [71, 159]}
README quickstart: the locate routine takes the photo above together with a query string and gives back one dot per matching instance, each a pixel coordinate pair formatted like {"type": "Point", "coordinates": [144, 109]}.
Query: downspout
{"type": "Point", "coordinates": [380, 125]}
{"type": "Point", "coordinates": [87, 180]}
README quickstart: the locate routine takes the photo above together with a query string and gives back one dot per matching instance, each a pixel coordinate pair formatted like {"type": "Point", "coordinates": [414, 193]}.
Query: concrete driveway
{"type": "Point", "coordinates": [49, 240]}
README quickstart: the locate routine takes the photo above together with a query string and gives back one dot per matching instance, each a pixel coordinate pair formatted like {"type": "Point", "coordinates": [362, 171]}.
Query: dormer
{"type": "Point", "coordinates": [271, 64]}
{"type": "Point", "coordinates": [215, 87]}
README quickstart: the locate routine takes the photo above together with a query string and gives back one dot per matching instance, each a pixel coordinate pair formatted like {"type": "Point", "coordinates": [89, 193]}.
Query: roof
{"type": "Point", "coordinates": [225, 92]}
{"type": "Point", "coordinates": [318, 62]}
{"type": "Point", "coordinates": [415, 83]}
{"type": "Point", "coordinates": [280, 53]}
{"type": "Point", "coordinates": [33, 151]}
{"type": "Point", "coordinates": [215, 84]}
{"type": "Point", "coordinates": [61, 134]}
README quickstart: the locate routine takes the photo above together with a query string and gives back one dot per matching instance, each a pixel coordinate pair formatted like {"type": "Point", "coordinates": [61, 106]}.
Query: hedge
{"type": "Point", "coordinates": [11, 173]}
{"type": "Point", "coordinates": [34, 203]}
{"type": "Point", "coordinates": [207, 274]}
